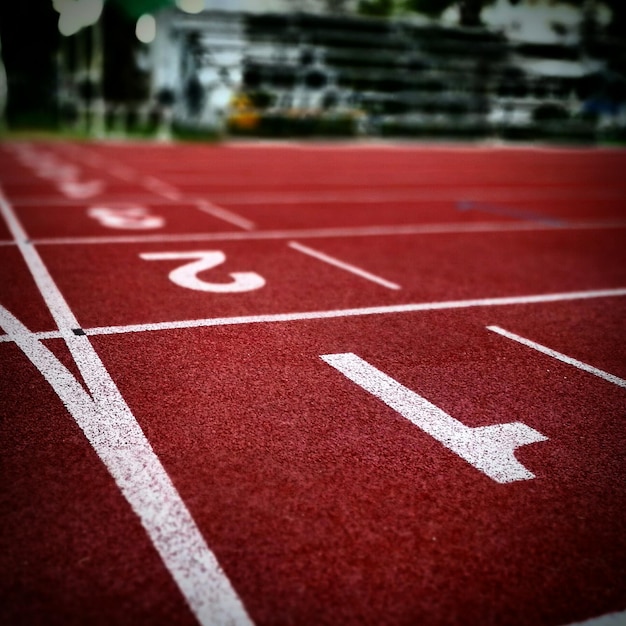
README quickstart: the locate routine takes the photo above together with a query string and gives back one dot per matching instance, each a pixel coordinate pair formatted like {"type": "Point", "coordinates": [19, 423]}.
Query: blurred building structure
{"type": "Point", "coordinates": [308, 67]}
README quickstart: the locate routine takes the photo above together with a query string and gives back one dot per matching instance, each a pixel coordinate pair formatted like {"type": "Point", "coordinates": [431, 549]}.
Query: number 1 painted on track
{"type": "Point", "coordinates": [489, 449]}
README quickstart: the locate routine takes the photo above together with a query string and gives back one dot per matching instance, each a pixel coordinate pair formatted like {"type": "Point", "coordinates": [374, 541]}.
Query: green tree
{"type": "Point", "coordinates": [137, 8]}
{"type": "Point", "coordinates": [376, 8]}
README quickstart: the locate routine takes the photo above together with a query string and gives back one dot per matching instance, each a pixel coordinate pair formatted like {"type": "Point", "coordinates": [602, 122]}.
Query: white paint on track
{"type": "Point", "coordinates": [620, 382]}
{"type": "Point", "coordinates": [224, 214]}
{"type": "Point", "coordinates": [353, 269]}
{"type": "Point", "coordinates": [117, 438]}
{"type": "Point", "coordinates": [161, 188]}
{"type": "Point", "coordinates": [446, 228]}
{"type": "Point", "coordinates": [339, 313]}
{"type": "Point", "coordinates": [610, 619]}
{"type": "Point", "coordinates": [166, 190]}
{"type": "Point", "coordinates": [376, 195]}
{"type": "Point", "coordinates": [490, 449]}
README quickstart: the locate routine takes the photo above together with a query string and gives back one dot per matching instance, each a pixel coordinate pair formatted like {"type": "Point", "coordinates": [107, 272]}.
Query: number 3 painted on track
{"type": "Point", "coordinates": [187, 275]}
{"type": "Point", "coordinates": [127, 218]}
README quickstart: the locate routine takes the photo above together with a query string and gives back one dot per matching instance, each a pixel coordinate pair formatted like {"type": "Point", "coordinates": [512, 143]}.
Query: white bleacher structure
{"type": "Point", "coordinates": [307, 73]}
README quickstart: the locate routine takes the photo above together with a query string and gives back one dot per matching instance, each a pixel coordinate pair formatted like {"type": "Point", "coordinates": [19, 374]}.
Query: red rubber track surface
{"type": "Point", "coordinates": [322, 504]}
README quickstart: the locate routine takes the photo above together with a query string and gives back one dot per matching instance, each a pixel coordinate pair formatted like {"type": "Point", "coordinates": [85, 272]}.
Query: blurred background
{"type": "Point", "coordinates": [163, 69]}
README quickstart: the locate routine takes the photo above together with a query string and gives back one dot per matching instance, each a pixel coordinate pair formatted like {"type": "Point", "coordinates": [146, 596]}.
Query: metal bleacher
{"type": "Point", "coordinates": [398, 78]}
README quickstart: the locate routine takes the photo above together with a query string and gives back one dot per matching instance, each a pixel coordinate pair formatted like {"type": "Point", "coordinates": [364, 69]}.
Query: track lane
{"type": "Point", "coordinates": [300, 491]}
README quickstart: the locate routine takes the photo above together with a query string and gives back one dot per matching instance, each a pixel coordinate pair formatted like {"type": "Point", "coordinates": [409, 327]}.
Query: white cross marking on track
{"type": "Point", "coordinates": [107, 421]}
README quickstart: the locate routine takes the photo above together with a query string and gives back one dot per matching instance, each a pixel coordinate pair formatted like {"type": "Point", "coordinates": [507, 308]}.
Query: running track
{"type": "Point", "coordinates": [306, 385]}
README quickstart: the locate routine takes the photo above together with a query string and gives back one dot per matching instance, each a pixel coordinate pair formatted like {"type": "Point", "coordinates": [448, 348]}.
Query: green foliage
{"type": "Point", "coordinates": [433, 8]}
{"type": "Point", "coordinates": [376, 8]}
{"type": "Point", "coordinates": [137, 8]}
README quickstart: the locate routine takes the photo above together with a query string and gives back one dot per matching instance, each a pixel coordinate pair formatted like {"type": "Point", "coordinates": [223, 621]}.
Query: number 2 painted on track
{"type": "Point", "coordinates": [187, 275]}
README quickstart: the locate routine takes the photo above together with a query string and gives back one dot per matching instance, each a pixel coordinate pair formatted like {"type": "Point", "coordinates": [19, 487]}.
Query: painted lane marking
{"type": "Point", "coordinates": [224, 214]}
{"type": "Point", "coordinates": [127, 454]}
{"type": "Point", "coordinates": [490, 449]}
{"type": "Point", "coordinates": [377, 195]}
{"type": "Point", "coordinates": [128, 217]}
{"type": "Point", "coordinates": [469, 205]}
{"type": "Point", "coordinates": [620, 382]}
{"type": "Point", "coordinates": [84, 190]}
{"type": "Point", "coordinates": [353, 269]}
{"type": "Point", "coordinates": [168, 191]}
{"type": "Point", "coordinates": [140, 197]}
{"type": "Point", "coordinates": [610, 619]}
{"type": "Point", "coordinates": [338, 313]}
{"type": "Point", "coordinates": [65, 176]}
{"type": "Point", "coordinates": [202, 260]}
{"type": "Point", "coordinates": [360, 231]}
{"type": "Point", "coordinates": [120, 443]}
{"type": "Point", "coordinates": [161, 188]}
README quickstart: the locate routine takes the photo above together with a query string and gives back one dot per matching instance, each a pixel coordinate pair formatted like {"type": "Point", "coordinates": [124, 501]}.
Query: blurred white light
{"type": "Point", "coordinates": [91, 11]}
{"type": "Point", "coordinates": [61, 5]}
{"type": "Point", "coordinates": [77, 14]}
{"type": "Point", "coordinates": [69, 23]}
{"type": "Point", "coordinates": [146, 28]}
{"type": "Point", "coordinates": [190, 6]}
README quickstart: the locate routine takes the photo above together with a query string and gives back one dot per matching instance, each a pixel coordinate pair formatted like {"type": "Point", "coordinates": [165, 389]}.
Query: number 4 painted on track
{"type": "Point", "coordinates": [489, 449]}
{"type": "Point", "coordinates": [187, 275]}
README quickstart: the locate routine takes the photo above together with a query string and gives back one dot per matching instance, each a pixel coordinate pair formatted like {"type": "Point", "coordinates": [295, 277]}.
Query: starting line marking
{"type": "Point", "coordinates": [559, 356]}
{"type": "Point", "coordinates": [337, 313]}
{"type": "Point", "coordinates": [355, 196]}
{"type": "Point", "coordinates": [445, 228]}
{"type": "Point", "coordinates": [490, 449]}
{"type": "Point", "coordinates": [116, 437]}
{"type": "Point", "coordinates": [353, 269]}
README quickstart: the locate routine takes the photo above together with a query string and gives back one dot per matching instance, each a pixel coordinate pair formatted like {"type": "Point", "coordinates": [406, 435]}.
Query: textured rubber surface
{"type": "Point", "coordinates": [322, 504]}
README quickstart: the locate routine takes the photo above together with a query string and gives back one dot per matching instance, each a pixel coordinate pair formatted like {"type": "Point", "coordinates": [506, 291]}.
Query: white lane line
{"type": "Point", "coordinates": [490, 449]}
{"type": "Point", "coordinates": [559, 356]}
{"type": "Point", "coordinates": [356, 231]}
{"type": "Point", "coordinates": [405, 194]}
{"type": "Point", "coordinates": [338, 313]}
{"type": "Point", "coordinates": [353, 269]}
{"type": "Point", "coordinates": [127, 454]}
{"type": "Point", "coordinates": [40, 336]}
{"type": "Point", "coordinates": [610, 619]}
{"type": "Point", "coordinates": [168, 191]}
{"type": "Point", "coordinates": [120, 443]}
{"type": "Point", "coordinates": [415, 196]}
{"type": "Point", "coordinates": [161, 188]}
{"type": "Point", "coordinates": [70, 203]}
{"type": "Point", "coordinates": [224, 214]}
